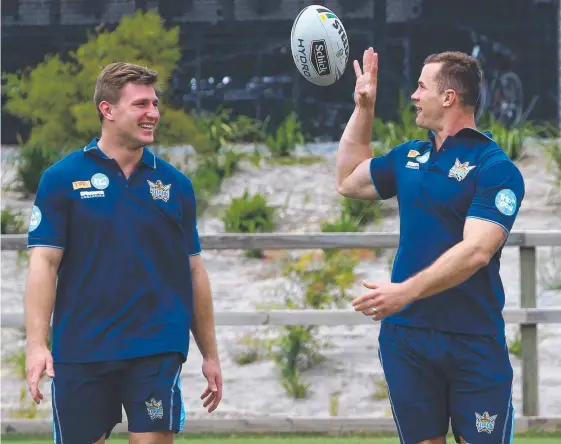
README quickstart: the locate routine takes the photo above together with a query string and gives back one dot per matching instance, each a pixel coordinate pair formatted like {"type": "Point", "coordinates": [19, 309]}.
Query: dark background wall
{"type": "Point", "coordinates": [246, 42]}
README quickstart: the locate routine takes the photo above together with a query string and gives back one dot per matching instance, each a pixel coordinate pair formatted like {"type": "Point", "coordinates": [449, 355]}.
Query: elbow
{"type": "Point", "coordinates": [343, 189]}
{"type": "Point", "coordinates": [481, 257]}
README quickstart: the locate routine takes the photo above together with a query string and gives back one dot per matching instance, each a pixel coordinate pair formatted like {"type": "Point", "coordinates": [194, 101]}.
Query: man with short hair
{"type": "Point", "coordinates": [442, 343]}
{"type": "Point", "coordinates": [116, 225]}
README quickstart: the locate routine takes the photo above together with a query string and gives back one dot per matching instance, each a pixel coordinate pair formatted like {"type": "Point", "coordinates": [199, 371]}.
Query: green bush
{"type": "Point", "coordinates": [249, 214]}
{"type": "Point", "coordinates": [56, 95]}
{"type": "Point", "coordinates": [32, 161]}
{"type": "Point", "coordinates": [209, 173]}
{"type": "Point", "coordinates": [364, 211]}
{"type": "Point", "coordinates": [511, 140]}
{"type": "Point", "coordinates": [389, 134]}
{"type": "Point", "coordinates": [289, 134]}
{"type": "Point", "coordinates": [12, 222]}
{"type": "Point", "coordinates": [320, 281]}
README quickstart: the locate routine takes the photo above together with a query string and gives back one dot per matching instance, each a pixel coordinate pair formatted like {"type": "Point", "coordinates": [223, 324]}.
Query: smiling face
{"type": "Point", "coordinates": [429, 100]}
{"type": "Point", "coordinates": [135, 116]}
{"type": "Point", "coordinates": [127, 104]}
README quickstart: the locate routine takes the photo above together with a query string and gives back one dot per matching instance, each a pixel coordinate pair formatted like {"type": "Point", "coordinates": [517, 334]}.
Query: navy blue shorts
{"type": "Point", "coordinates": [88, 399]}
{"type": "Point", "coordinates": [437, 379]}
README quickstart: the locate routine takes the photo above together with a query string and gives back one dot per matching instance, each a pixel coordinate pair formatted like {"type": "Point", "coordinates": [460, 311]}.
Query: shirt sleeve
{"type": "Point", "coordinates": [382, 174]}
{"type": "Point", "coordinates": [190, 221]}
{"type": "Point", "coordinates": [498, 195]}
{"type": "Point", "coordinates": [49, 215]}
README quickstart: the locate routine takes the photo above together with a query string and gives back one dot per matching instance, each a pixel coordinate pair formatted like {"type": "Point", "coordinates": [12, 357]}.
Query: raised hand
{"type": "Point", "coordinates": [366, 79]}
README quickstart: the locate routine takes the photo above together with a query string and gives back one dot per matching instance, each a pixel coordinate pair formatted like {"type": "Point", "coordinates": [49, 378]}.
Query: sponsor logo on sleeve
{"type": "Point", "coordinates": [505, 201]}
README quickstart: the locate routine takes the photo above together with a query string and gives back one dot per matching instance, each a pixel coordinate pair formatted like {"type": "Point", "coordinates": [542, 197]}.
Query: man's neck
{"type": "Point", "coordinates": [127, 157]}
{"type": "Point", "coordinates": [452, 127]}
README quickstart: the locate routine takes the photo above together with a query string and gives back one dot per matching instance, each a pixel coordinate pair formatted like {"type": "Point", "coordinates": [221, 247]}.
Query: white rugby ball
{"type": "Point", "coordinates": [319, 45]}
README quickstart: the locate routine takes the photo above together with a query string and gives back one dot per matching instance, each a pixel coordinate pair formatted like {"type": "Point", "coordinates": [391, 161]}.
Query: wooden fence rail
{"type": "Point", "coordinates": [528, 316]}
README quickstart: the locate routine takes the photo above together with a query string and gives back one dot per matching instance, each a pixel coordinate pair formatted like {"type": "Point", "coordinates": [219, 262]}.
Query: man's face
{"type": "Point", "coordinates": [136, 114]}
{"type": "Point", "coordinates": [428, 100]}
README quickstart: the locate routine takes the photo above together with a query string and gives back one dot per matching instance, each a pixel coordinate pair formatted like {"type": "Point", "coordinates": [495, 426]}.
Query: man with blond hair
{"type": "Point", "coordinates": [116, 260]}
{"type": "Point", "coordinates": [442, 342]}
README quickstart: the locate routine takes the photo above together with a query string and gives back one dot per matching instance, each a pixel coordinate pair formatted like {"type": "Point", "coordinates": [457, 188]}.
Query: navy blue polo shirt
{"type": "Point", "coordinates": [469, 177]}
{"type": "Point", "coordinates": [124, 285]}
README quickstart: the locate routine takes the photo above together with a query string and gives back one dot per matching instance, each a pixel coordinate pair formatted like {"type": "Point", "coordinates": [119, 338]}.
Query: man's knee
{"type": "Point", "coordinates": [151, 438]}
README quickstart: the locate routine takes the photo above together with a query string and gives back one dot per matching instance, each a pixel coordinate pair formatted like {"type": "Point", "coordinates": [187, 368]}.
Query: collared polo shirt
{"type": "Point", "coordinates": [470, 176]}
{"type": "Point", "coordinates": [124, 284]}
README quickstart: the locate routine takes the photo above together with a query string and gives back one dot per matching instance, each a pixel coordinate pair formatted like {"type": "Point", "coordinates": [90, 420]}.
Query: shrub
{"type": "Point", "coordinates": [12, 222]}
{"type": "Point", "coordinates": [249, 214]}
{"type": "Point", "coordinates": [287, 136]}
{"type": "Point", "coordinates": [33, 160]}
{"type": "Point", "coordinates": [319, 281]}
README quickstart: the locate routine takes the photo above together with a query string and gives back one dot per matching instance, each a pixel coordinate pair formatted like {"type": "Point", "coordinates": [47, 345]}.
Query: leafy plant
{"type": "Point", "coordinates": [389, 134]}
{"type": "Point", "coordinates": [287, 136]}
{"type": "Point", "coordinates": [511, 140]}
{"type": "Point", "coordinates": [56, 95]}
{"type": "Point", "coordinates": [12, 221]}
{"type": "Point", "coordinates": [320, 281]}
{"type": "Point", "coordinates": [32, 161]}
{"type": "Point", "coordinates": [364, 211]}
{"type": "Point", "coordinates": [249, 214]}
{"type": "Point", "coordinates": [209, 173]}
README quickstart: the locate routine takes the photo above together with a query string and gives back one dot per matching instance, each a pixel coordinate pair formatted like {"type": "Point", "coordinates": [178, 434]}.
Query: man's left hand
{"type": "Point", "coordinates": [213, 393]}
{"type": "Point", "coordinates": [383, 299]}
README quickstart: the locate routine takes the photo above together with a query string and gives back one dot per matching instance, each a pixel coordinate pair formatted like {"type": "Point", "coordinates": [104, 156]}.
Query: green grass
{"type": "Point", "coordinates": [292, 439]}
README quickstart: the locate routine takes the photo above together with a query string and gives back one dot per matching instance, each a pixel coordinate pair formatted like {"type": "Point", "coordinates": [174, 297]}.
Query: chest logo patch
{"type": "Point", "coordinates": [159, 191]}
{"type": "Point", "coordinates": [460, 170]}
{"type": "Point", "coordinates": [81, 184]}
{"type": "Point", "coordinates": [100, 181]}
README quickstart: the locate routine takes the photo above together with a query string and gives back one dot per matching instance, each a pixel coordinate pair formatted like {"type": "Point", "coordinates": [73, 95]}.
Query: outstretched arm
{"type": "Point", "coordinates": [481, 241]}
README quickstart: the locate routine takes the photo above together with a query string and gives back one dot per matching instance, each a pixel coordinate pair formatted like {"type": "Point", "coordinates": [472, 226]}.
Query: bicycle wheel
{"type": "Point", "coordinates": [507, 101]}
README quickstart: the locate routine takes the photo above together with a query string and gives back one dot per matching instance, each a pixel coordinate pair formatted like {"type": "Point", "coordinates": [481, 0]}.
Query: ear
{"type": "Point", "coordinates": [449, 98]}
{"type": "Point", "coordinates": [107, 110]}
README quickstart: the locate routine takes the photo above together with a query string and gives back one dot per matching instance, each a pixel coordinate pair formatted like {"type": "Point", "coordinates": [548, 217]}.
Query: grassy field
{"type": "Point", "coordinates": [292, 439]}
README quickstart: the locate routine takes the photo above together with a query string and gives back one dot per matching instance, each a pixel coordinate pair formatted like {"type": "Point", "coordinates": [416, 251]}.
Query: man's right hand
{"type": "Point", "coordinates": [38, 360]}
{"type": "Point", "coordinates": [367, 81]}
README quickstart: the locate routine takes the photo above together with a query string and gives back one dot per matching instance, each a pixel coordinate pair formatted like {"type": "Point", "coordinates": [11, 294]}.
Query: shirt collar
{"type": "Point", "coordinates": [468, 133]}
{"type": "Point", "coordinates": [148, 157]}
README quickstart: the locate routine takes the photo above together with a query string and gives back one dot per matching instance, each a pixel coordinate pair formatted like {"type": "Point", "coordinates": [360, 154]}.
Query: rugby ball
{"type": "Point", "coordinates": [319, 45]}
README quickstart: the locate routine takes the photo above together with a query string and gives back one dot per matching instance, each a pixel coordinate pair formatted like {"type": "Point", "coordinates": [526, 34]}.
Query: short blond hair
{"type": "Point", "coordinates": [115, 76]}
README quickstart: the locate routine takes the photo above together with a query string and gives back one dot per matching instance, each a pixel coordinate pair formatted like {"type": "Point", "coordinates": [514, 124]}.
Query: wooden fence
{"type": "Point", "coordinates": [528, 316]}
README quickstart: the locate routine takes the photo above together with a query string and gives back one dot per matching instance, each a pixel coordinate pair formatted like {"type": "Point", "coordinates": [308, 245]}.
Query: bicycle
{"type": "Point", "coordinates": [501, 88]}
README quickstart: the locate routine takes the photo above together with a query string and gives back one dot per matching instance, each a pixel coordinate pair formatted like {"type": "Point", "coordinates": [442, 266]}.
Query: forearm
{"type": "Point", "coordinates": [354, 146]}
{"type": "Point", "coordinates": [39, 303]}
{"type": "Point", "coordinates": [202, 324]}
{"type": "Point", "coordinates": [454, 267]}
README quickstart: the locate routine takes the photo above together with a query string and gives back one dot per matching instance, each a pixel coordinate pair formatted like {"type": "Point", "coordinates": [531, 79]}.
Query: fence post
{"type": "Point", "coordinates": [529, 334]}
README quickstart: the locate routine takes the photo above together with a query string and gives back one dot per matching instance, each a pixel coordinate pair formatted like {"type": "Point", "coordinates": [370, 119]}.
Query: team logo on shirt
{"type": "Point", "coordinates": [155, 409]}
{"type": "Point", "coordinates": [413, 153]}
{"type": "Point", "coordinates": [159, 191]}
{"type": "Point", "coordinates": [485, 423]}
{"type": "Point", "coordinates": [460, 170]}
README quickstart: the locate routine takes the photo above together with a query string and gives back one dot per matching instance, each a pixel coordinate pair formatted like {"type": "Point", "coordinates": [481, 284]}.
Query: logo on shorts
{"type": "Point", "coordinates": [155, 409]}
{"type": "Point", "coordinates": [485, 423]}
{"type": "Point", "coordinates": [460, 170]}
{"type": "Point", "coordinates": [159, 191]}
